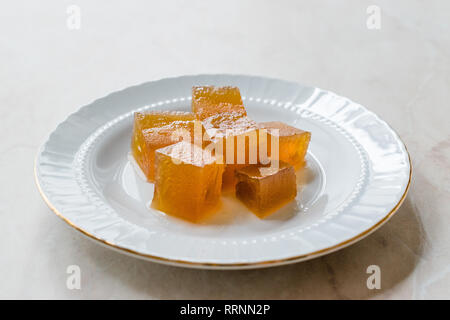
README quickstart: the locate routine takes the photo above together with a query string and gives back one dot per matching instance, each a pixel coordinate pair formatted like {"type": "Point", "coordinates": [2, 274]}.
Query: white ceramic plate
{"type": "Point", "coordinates": [357, 175]}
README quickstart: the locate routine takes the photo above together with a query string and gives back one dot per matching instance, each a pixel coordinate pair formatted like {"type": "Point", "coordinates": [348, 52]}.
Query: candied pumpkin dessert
{"type": "Point", "coordinates": [188, 181]}
{"type": "Point", "coordinates": [156, 129]}
{"type": "Point", "coordinates": [235, 138]}
{"type": "Point", "coordinates": [192, 157]}
{"type": "Point", "coordinates": [265, 189]}
{"type": "Point", "coordinates": [292, 142]}
{"type": "Point", "coordinates": [209, 100]}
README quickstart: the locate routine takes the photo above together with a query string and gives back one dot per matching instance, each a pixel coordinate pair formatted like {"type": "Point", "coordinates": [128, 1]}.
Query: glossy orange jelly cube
{"type": "Point", "coordinates": [209, 100]}
{"type": "Point", "coordinates": [156, 129]}
{"type": "Point", "coordinates": [264, 189]}
{"type": "Point", "coordinates": [292, 142]}
{"type": "Point", "coordinates": [235, 138]}
{"type": "Point", "coordinates": [187, 181]}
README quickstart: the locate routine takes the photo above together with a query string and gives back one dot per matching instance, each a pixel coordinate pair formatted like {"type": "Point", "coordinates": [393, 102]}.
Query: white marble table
{"type": "Point", "coordinates": [401, 71]}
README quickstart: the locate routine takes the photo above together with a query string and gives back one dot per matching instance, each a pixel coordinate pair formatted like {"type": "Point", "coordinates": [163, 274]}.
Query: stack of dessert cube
{"type": "Point", "coordinates": [193, 157]}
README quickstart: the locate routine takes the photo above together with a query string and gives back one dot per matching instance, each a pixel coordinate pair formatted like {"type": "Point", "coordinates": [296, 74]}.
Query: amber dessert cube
{"type": "Point", "coordinates": [235, 137]}
{"type": "Point", "coordinates": [157, 129]}
{"type": "Point", "coordinates": [187, 182]}
{"type": "Point", "coordinates": [265, 189]}
{"type": "Point", "coordinates": [209, 100]}
{"type": "Point", "coordinates": [292, 142]}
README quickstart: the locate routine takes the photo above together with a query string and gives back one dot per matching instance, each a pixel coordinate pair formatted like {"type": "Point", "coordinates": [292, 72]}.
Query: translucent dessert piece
{"type": "Point", "coordinates": [293, 142]}
{"type": "Point", "coordinates": [187, 181]}
{"type": "Point", "coordinates": [209, 100]}
{"type": "Point", "coordinates": [264, 189]}
{"type": "Point", "coordinates": [236, 142]}
{"type": "Point", "coordinates": [157, 129]}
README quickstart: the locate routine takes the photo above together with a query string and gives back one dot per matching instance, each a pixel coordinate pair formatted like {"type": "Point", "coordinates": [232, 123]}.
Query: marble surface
{"type": "Point", "coordinates": [401, 71]}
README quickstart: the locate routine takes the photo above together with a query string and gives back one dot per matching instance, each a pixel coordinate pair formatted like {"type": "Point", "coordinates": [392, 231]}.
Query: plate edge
{"type": "Point", "coordinates": [233, 266]}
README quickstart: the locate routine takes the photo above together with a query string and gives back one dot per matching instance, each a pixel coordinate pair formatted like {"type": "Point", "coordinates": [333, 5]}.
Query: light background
{"type": "Point", "coordinates": [402, 72]}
